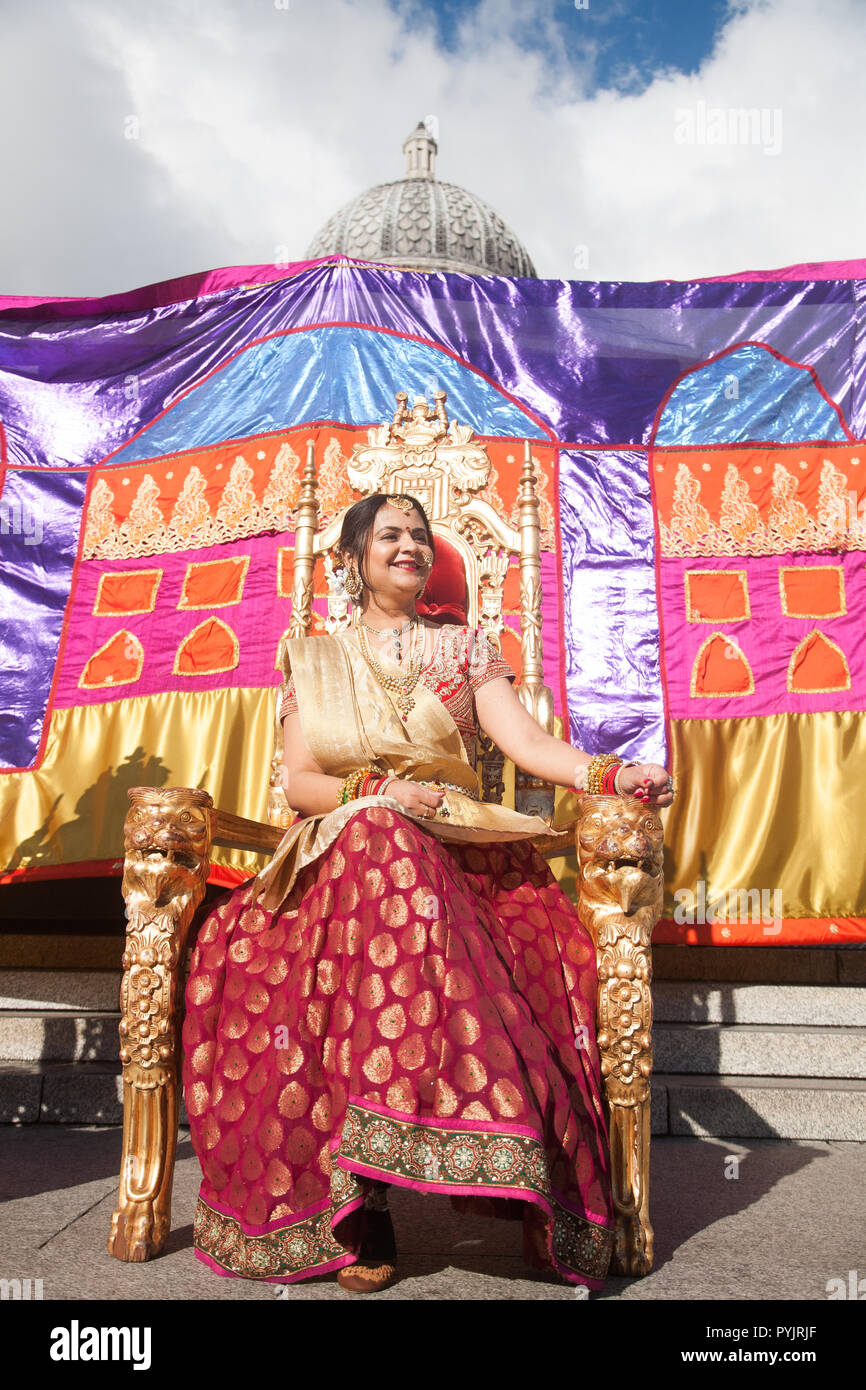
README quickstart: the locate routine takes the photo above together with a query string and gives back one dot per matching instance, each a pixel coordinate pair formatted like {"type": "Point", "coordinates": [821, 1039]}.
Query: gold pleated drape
{"type": "Point", "coordinates": [776, 802]}
{"type": "Point", "coordinates": [768, 803]}
{"type": "Point", "coordinates": [72, 808]}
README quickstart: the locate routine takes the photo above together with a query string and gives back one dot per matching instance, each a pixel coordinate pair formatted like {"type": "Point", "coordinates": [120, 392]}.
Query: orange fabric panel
{"type": "Point", "coordinates": [285, 571]}
{"type": "Point", "coordinates": [132, 592]}
{"type": "Point", "coordinates": [214, 583]}
{"type": "Point", "coordinates": [210, 647]}
{"type": "Point", "coordinates": [756, 466]}
{"type": "Point", "coordinates": [812, 591]}
{"type": "Point", "coordinates": [118, 662]}
{"type": "Point", "coordinates": [721, 669]}
{"type": "Point", "coordinates": [208, 496]}
{"type": "Point", "coordinates": [818, 664]}
{"type": "Point", "coordinates": [716, 596]}
{"type": "Point", "coordinates": [792, 931]}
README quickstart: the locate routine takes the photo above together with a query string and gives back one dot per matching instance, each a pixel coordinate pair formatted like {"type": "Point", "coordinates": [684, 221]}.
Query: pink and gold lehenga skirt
{"type": "Point", "coordinates": [424, 1017]}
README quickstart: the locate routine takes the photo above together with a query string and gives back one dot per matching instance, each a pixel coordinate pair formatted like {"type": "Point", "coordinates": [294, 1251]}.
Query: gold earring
{"type": "Point", "coordinates": [353, 584]}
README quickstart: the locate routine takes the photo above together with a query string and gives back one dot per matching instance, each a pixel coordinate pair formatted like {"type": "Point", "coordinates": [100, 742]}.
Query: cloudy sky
{"type": "Point", "coordinates": [143, 139]}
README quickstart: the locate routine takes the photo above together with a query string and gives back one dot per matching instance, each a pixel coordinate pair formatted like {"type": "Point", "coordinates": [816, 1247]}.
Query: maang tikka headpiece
{"type": "Point", "coordinates": [403, 504]}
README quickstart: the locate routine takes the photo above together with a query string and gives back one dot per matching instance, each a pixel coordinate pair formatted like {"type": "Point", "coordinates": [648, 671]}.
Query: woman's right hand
{"type": "Point", "coordinates": [421, 801]}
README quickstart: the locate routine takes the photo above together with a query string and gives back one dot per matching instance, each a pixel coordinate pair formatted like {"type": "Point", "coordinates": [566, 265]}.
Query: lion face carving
{"type": "Point", "coordinates": [620, 851]}
{"type": "Point", "coordinates": [166, 849]}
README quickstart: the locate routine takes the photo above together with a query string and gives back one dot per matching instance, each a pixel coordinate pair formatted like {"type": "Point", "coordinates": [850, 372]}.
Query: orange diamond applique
{"type": "Point", "coordinates": [717, 596]}
{"type": "Point", "coordinates": [214, 583]}
{"type": "Point", "coordinates": [812, 591]}
{"type": "Point", "coordinates": [133, 591]}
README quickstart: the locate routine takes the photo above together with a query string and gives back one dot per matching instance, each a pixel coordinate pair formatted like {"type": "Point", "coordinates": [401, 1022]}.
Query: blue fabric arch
{"type": "Point", "coordinates": [748, 394]}
{"type": "Point", "coordinates": [343, 374]}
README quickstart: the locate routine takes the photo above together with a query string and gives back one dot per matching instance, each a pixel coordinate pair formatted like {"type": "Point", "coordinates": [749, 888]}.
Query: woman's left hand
{"type": "Point", "coordinates": [648, 782]}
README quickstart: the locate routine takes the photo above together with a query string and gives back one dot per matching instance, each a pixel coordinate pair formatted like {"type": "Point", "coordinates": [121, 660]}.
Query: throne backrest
{"type": "Point", "coordinates": [442, 464]}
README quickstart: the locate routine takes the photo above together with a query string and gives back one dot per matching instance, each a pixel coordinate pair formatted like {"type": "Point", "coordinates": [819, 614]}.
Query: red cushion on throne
{"type": "Point", "coordinates": [445, 599]}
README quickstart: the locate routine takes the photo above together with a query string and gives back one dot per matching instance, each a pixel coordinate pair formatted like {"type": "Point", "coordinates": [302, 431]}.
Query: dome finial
{"type": "Point", "coordinates": [420, 151]}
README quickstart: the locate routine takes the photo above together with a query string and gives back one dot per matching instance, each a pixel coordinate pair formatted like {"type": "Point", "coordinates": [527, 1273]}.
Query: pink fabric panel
{"type": "Point", "coordinates": [808, 270]}
{"type": "Point", "coordinates": [767, 638]}
{"type": "Point", "coordinates": [554, 651]}
{"type": "Point", "coordinates": [175, 291]}
{"type": "Point", "coordinates": [257, 621]}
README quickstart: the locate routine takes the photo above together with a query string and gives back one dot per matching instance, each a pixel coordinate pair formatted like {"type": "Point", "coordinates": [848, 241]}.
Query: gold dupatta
{"type": "Point", "coordinates": [349, 720]}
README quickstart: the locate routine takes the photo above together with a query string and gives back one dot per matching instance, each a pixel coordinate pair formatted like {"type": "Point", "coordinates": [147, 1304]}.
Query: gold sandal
{"type": "Point", "coordinates": [375, 1269]}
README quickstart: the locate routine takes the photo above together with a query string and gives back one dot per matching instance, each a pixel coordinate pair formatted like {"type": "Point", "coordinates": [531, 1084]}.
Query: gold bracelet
{"type": "Point", "coordinates": [596, 768]}
{"type": "Point", "coordinates": [350, 784]}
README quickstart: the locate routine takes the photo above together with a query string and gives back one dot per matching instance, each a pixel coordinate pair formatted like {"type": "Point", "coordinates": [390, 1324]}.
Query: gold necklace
{"type": "Point", "coordinates": [395, 632]}
{"type": "Point", "coordinates": [401, 686]}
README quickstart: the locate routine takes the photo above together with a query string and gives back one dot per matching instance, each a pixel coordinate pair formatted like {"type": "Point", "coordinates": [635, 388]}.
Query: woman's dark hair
{"type": "Point", "coordinates": [358, 527]}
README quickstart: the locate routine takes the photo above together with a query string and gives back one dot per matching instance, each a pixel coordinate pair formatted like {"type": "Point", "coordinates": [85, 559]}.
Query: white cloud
{"type": "Point", "coordinates": [256, 122]}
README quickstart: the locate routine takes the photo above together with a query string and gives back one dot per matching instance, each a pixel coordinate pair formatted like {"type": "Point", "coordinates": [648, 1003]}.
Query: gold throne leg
{"type": "Point", "coordinates": [619, 846]}
{"type": "Point", "coordinates": [167, 839]}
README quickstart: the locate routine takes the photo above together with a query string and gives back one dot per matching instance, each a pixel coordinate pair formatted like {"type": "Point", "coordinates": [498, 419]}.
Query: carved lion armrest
{"type": "Point", "coordinates": [620, 854]}
{"type": "Point", "coordinates": [168, 835]}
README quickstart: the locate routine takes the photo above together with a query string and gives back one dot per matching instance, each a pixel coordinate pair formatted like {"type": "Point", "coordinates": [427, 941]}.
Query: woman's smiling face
{"type": "Point", "coordinates": [398, 556]}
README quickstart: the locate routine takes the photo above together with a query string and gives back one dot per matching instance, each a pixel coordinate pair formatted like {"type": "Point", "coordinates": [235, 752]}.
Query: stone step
{"type": "Point", "coordinates": [771, 965]}
{"type": "Point", "coordinates": [744, 1107]}
{"type": "Point", "coordinates": [760, 1107]}
{"type": "Point", "coordinates": [719, 1001]}
{"type": "Point", "coordinates": [674, 1001]}
{"type": "Point", "coordinates": [72, 1093]}
{"type": "Point", "coordinates": [58, 1035]}
{"type": "Point", "coordinates": [741, 1049]}
{"type": "Point", "coordinates": [94, 990]}
{"type": "Point", "coordinates": [755, 1049]}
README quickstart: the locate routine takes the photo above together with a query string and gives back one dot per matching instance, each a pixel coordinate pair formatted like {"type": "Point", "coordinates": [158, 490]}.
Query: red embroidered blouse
{"type": "Point", "coordinates": [463, 660]}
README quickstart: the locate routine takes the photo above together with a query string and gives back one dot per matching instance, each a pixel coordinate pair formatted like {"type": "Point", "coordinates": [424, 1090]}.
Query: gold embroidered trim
{"type": "Point", "coordinates": [817, 689]}
{"type": "Point", "coordinates": [241, 563]}
{"type": "Point", "coordinates": [789, 612]}
{"type": "Point", "coordinates": [695, 617]}
{"type": "Point", "coordinates": [211, 670]}
{"type": "Point", "coordinates": [192, 526]}
{"type": "Point", "coordinates": [720, 694]}
{"type": "Point", "coordinates": [839, 521]}
{"type": "Point", "coordinates": [111, 682]}
{"type": "Point", "coordinates": [100, 612]}
{"type": "Point", "coordinates": [406, 1147]}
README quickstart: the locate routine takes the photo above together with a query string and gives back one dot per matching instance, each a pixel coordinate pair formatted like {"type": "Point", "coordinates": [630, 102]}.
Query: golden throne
{"type": "Point", "coordinates": [169, 833]}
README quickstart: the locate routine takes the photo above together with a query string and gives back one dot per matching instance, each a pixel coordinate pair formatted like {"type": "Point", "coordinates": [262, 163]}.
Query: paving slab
{"type": "Point", "coordinates": [787, 1107]}
{"type": "Point", "coordinates": [733, 1221]}
{"type": "Point", "coordinates": [58, 1035]}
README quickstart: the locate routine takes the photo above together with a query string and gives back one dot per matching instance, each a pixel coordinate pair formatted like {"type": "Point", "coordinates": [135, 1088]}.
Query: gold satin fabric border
{"type": "Point", "coordinates": [71, 809]}
{"type": "Point", "coordinates": [73, 806]}
{"type": "Point", "coordinates": [776, 802]}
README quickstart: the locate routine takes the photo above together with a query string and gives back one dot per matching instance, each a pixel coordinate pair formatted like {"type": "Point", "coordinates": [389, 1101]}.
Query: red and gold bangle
{"type": "Point", "coordinates": [372, 784]}
{"type": "Point", "coordinates": [598, 769]}
{"type": "Point", "coordinates": [349, 787]}
{"type": "Point", "coordinates": [608, 779]}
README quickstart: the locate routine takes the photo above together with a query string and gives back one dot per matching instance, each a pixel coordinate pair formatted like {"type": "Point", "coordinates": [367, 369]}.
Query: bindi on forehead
{"type": "Point", "coordinates": [390, 519]}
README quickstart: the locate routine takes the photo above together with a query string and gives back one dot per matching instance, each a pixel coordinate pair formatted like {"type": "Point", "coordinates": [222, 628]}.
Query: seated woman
{"type": "Point", "coordinates": [404, 995]}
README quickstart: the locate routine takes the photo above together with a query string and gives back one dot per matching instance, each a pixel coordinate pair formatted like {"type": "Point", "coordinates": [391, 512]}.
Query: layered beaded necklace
{"type": "Point", "coordinates": [395, 632]}
{"type": "Point", "coordinates": [402, 685]}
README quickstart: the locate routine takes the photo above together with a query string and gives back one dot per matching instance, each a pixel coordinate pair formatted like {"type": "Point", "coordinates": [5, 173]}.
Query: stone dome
{"type": "Point", "coordinates": [423, 223]}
